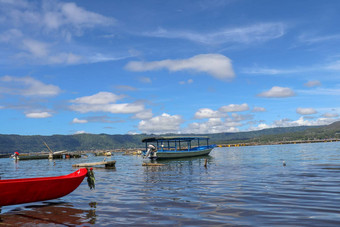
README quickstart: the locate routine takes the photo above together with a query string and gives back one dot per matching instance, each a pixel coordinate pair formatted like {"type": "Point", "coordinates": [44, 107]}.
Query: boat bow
{"type": "Point", "coordinates": [27, 190]}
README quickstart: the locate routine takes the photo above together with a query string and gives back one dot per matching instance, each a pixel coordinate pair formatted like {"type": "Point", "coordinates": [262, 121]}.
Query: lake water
{"type": "Point", "coordinates": [241, 186]}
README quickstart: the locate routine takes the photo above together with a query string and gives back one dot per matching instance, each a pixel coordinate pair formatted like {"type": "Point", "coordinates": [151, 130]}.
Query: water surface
{"type": "Point", "coordinates": [241, 186]}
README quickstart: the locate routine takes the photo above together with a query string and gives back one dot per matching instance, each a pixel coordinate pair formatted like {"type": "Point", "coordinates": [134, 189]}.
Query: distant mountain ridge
{"type": "Point", "coordinates": [35, 143]}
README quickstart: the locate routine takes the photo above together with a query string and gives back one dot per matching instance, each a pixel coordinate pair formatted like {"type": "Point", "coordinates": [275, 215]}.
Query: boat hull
{"type": "Point", "coordinates": [182, 154]}
{"type": "Point", "coordinates": [27, 190]}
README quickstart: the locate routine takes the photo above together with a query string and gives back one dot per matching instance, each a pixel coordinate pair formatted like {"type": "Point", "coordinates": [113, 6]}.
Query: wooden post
{"type": "Point", "coordinates": [206, 163]}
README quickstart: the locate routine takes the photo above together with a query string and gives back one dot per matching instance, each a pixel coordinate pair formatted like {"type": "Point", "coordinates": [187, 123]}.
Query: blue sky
{"type": "Point", "coordinates": [126, 67]}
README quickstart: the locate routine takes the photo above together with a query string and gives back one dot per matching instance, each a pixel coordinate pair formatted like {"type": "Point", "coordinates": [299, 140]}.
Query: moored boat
{"type": "Point", "coordinates": [27, 190]}
{"type": "Point", "coordinates": [176, 147]}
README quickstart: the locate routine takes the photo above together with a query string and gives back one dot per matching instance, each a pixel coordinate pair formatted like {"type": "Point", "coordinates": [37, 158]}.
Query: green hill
{"type": "Point", "coordinates": [35, 143]}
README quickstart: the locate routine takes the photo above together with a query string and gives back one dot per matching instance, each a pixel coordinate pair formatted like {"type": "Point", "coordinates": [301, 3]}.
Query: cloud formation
{"type": "Point", "coordinates": [313, 83]}
{"type": "Point", "coordinates": [213, 125]}
{"type": "Point", "coordinates": [54, 25]}
{"type": "Point", "coordinates": [99, 98]}
{"type": "Point", "coordinates": [208, 113]}
{"type": "Point", "coordinates": [277, 92]}
{"type": "Point", "coordinates": [161, 124]}
{"type": "Point", "coordinates": [255, 33]}
{"type": "Point", "coordinates": [53, 15]}
{"type": "Point", "coordinates": [305, 111]}
{"type": "Point", "coordinates": [79, 121]}
{"type": "Point", "coordinates": [234, 108]}
{"type": "Point", "coordinates": [299, 122]}
{"type": "Point", "coordinates": [27, 86]}
{"type": "Point", "coordinates": [258, 109]}
{"type": "Point", "coordinates": [225, 119]}
{"type": "Point", "coordinates": [216, 65]}
{"type": "Point", "coordinates": [105, 102]}
{"type": "Point", "coordinates": [38, 115]}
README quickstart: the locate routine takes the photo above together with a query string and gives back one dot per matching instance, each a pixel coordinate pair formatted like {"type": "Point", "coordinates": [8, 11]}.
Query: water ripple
{"type": "Point", "coordinates": [242, 186]}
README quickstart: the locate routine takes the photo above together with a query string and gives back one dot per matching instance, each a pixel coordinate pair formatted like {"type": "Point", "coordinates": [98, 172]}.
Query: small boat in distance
{"type": "Point", "coordinates": [176, 147]}
{"type": "Point", "coordinates": [27, 190]}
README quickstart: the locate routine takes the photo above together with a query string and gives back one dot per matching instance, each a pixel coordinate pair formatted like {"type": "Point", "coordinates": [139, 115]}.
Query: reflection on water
{"type": "Point", "coordinates": [49, 213]}
{"type": "Point", "coordinates": [241, 186]}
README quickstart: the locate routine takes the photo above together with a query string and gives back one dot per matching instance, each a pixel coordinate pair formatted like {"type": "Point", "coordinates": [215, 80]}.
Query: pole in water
{"type": "Point", "coordinates": [206, 163]}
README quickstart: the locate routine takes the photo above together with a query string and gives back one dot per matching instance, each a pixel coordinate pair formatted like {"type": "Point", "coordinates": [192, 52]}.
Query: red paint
{"type": "Point", "coordinates": [27, 190]}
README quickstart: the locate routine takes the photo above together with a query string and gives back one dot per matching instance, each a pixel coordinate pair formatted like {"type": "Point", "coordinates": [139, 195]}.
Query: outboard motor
{"type": "Point", "coordinates": [151, 152]}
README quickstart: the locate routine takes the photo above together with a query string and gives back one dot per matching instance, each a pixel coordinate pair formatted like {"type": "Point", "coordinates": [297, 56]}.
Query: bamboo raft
{"type": "Point", "coordinates": [108, 164]}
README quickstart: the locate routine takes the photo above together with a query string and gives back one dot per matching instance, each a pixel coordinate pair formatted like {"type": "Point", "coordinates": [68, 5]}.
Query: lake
{"type": "Point", "coordinates": [241, 186]}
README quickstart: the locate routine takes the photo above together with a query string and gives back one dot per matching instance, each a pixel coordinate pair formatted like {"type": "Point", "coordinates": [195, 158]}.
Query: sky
{"type": "Point", "coordinates": [155, 67]}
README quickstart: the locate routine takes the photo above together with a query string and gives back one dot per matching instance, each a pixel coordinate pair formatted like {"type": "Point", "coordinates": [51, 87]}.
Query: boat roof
{"type": "Point", "coordinates": [174, 138]}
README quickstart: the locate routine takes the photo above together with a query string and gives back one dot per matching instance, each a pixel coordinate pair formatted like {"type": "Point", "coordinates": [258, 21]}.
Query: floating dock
{"type": "Point", "coordinates": [108, 164]}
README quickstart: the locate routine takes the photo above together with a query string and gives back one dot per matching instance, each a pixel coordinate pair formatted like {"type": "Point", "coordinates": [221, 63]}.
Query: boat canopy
{"type": "Point", "coordinates": [167, 143]}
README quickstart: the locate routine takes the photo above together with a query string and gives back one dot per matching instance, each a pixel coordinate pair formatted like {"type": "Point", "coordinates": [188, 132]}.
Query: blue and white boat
{"type": "Point", "coordinates": [176, 147]}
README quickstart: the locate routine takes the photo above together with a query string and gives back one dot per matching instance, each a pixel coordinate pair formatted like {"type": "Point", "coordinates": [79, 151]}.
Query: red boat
{"type": "Point", "coordinates": [27, 190]}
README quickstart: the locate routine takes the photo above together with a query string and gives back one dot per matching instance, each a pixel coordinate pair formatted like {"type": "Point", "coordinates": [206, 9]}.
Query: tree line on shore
{"type": "Point", "coordinates": [81, 142]}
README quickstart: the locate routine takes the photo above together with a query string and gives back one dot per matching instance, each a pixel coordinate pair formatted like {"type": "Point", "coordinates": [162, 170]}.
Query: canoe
{"type": "Point", "coordinates": [27, 190]}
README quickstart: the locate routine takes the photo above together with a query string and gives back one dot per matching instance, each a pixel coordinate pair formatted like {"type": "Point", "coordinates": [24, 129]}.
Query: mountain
{"type": "Point", "coordinates": [35, 143]}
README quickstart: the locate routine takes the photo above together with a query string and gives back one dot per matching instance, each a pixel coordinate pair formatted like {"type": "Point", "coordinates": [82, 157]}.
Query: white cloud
{"type": "Point", "coordinates": [320, 121]}
{"type": "Point", "coordinates": [305, 111]}
{"type": "Point", "coordinates": [53, 15]}
{"type": "Point", "coordinates": [122, 108]}
{"type": "Point", "coordinates": [70, 13]}
{"type": "Point", "coordinates": [277, 92]}
{"type": "Point", "coordinates": [164, 123]}
{"type": "Point", "coordinates": [330, 115]}
{"type": "Point", "coordinates": [38, 115]}
{"type": "Point", "coordinates": [255, 33]}
{"type": "Point", "coordinates": [79, 121]}
{"type": "Point", "coordinates": [36, 48]}
{"type": "Point", "coordinates": [99, 98]}
{"type": "Point", "coordinates": [234, 108]}
{"type": "Point", "coordinates": [302, 121]}
{"type": "Point", "coordinates": [80, 132]}
{"type": "Point", "coordinates": [212, 125]}
{"type": "Point", "coordinates": [216, 65]}
{"type": "Point", "coordinates": [208, 113]}
{"type": "Point", "coordinates": [268, 71]}
{"type": "Point", "coordinates": [42, 33]}
{"type": "Point", "coordinates": [241, 117]}
{"type": "Point", "coordinates": [259, 109]}
{"type": "Point", "coordinates": [313, 83]}
{"type": "Point", "coordinates": [261, 126]}
{"type": "Point", "coordinates": [43, 53]}
{"type": "Point", "coordinates": [105, 102]}
{"type": "Point", "coordinates": [147, 114]}
{"type": "Point", "coordinates": [27, 86]}
{"type": "Point", "coordinates": [221, 112]}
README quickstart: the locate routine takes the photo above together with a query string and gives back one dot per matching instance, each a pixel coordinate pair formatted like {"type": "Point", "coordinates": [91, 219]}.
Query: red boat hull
{"type": "Point", "coordinates": [27, 190]}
